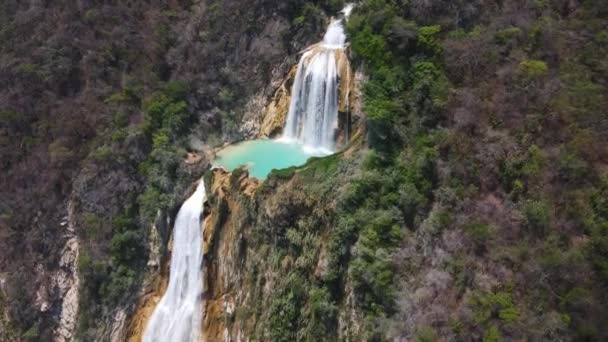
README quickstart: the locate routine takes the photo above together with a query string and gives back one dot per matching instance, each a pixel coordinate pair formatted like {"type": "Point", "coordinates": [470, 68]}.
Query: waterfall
{"type": "Point", "coordinates": [313, 111]}
{"type": "Point", "coordinates": [178, 315]}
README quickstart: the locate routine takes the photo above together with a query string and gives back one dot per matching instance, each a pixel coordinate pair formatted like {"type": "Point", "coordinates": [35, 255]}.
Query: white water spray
{"type": "Point", "coordinates": [178, 315]}
{"type": "Point", "coordinates": [313, 111]}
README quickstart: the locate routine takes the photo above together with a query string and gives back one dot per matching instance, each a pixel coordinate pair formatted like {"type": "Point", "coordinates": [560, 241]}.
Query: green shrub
{"type": "Point", "coordinates": [410, 201]}
{"type": "Point", "coordinates": [160, 140]}
{"type": "Point", "coordinates": [92, 225]}
{"type": "Point", "coordinates": [322, 166]}
{"type": "Point", "coordinates": [285, 310]}
{"type": "Point", "coordinates": [27, 70]}
{"type": "Point", "coordinates": [322, 315]}
{"type": "Point", "coordinates": [226, 96]}
{"type": "Point", "coordinates": [176, 117]}
{"type": "Point", "coordinates": [121, 281]}
{"type": "Point", "coordinates": [102, 154]}
{"type": "Point", "coordinates": [517, 188]}
{"type": "Point", "coordinates": [84, 261]}
{"type": "Point", "coordinates": [370, 47]}
{"type": "Point", "coordinates": [492, 334]}
{"type": "Point", "coordinates": [59, 153]}
{"type": "Point", "coordinates": [283, 174]}
{"type": "Point", "coordinates": [538, 216]}
{"type": "Point", "coordinates": [480, 233]}
{"type": "Point", "coordinates": [429, 92]}
{"type": "Point", "coordinates": [332, 6]}
{"type": "Point", "coordinates": [491, 306]}
{"type": "Point", "coordinates": [426, 334]}
{"type": "Point", "coordinates": [309, 14]}
{"type": "Point", "coordinates": [119, 135]}
{"type": "Point", "coordinates": [507, 35]}
{"type": "Point", "coordinates": [33, 333]}
{"type": "Point", "coordinates": [427, 39]}
{"type": "Point", "coordinates": [599, 250]}
{"type": "Point", "coordinates": [456, 326]}
{"type": "Point", "coordinates": [152, 200]}
{"type": "Point", "coordinates": [372, 273]}
{"type": "Point", "coordinates": [125, 95]}
{"type": "Point", "coordinates": [534, 162]}
{"type": "Point", "coordinates": [532, 69]}
{"type": "Point", "coordinates": [127, 247]}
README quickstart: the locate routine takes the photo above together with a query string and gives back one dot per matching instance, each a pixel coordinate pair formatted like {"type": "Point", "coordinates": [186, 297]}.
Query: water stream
{"type": "Point", "coordinates": [312, 119]}
{"type": "Point", "coordinates": [178, 315]}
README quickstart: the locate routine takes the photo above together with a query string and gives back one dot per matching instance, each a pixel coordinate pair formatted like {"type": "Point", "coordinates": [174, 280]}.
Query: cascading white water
{"type": "Point", "coordinates": [313, 111]}
{"type": "Point", "coordinates": [177, 317]}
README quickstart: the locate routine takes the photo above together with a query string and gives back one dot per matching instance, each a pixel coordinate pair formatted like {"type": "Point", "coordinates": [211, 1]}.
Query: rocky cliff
{"type": "Point", "coordinates": [246, 264]}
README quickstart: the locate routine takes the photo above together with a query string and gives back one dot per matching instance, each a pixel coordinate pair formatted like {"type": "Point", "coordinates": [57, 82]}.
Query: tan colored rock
{"type": "Point", "coordinates": [275, 112]}
{"type": "Point", "coordinates": [118, 331]}
{"type": "Point", "coordinates": [345, 81]}
{"type": "Point", "coordinates": [220, 240]}
{"type": "Point", "coordinates": [67, 283]}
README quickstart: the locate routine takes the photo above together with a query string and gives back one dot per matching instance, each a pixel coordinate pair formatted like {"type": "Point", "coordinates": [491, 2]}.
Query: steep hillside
{"type": "Point", "coordinates": [471, 207]}
{"type": "Point", "coordinates": [477, 211]}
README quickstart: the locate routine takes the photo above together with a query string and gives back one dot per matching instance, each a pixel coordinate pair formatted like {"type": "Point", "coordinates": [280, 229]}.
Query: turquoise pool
{"type": "Point", "coordinates": [262, 155]}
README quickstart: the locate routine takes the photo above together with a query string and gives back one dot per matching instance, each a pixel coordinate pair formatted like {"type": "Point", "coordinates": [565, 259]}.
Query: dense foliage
{"type": "Point", "coordinates": [113, 254]}
{"type": "Point", "coordinates": [478, 210]}
{"type": "Point", "coordinates": [433, 67]}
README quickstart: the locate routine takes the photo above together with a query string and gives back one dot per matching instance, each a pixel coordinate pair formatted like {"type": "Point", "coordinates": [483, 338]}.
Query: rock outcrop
{"type": "Point", "coordinates": [241, 210]}
{"type": "Point", "coordinates": [67, 282]}
{"type": "Point", "coordinates": [276, 110]}
{"type": "Point", "coordinates": [224, 254]}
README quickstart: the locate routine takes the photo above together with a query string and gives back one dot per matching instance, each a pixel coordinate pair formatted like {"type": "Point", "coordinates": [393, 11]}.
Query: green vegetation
{"type": "Point", "coordinates": [285, 310]}
{"type": "Point", "coordinates": [111, 279]}
{"type": "Point", "coordinates": [473, 127]}
{"type": "Point", "coordinates": [167, 119]}
{"type": "Point", "coordinates": [426, 334]}
{"type": "Point", "coordinates": [492, 306]}
{"type": "Point", "coordinates": [531, 69]}
{"type": "Point", "coordinates": [404, 100]}
{"type": "Point", "coordinates": [537, 217]}
{"type": "Point", "coordinates": [480, 233]}
{"type": "Point", "coordinates": [32, 334]}
{"type": "Point", "coordinates": [492, 334]}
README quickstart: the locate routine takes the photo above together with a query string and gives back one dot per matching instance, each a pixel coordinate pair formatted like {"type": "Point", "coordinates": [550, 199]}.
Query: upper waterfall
{"type": "Point", "coordinates": [334, 37]}
{"type": "Point", "coordinates": [313, 110]}
{"type": "Point", "coordinates": [178, 315]}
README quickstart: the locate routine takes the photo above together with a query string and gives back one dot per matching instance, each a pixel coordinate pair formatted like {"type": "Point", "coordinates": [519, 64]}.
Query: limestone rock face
{"type": "Point", "coordinates": [346, 89]}
{"type": "Point", "coordinates": [276, 111]}
{"type": "Point", "coordinates": [118, 331]}
{"type": "Point", "coordinates": [224, 254]}
{"type": "Point", "coordinates": [66, 282]}
{"type": "Point", "coordinates": [239, 209]}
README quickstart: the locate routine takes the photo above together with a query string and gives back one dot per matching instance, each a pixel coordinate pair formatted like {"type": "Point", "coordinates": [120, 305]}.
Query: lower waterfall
{"type": "Point", "coordinates": [313, 111]}
{"type": "Point", "coordinates": [178, 315]}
